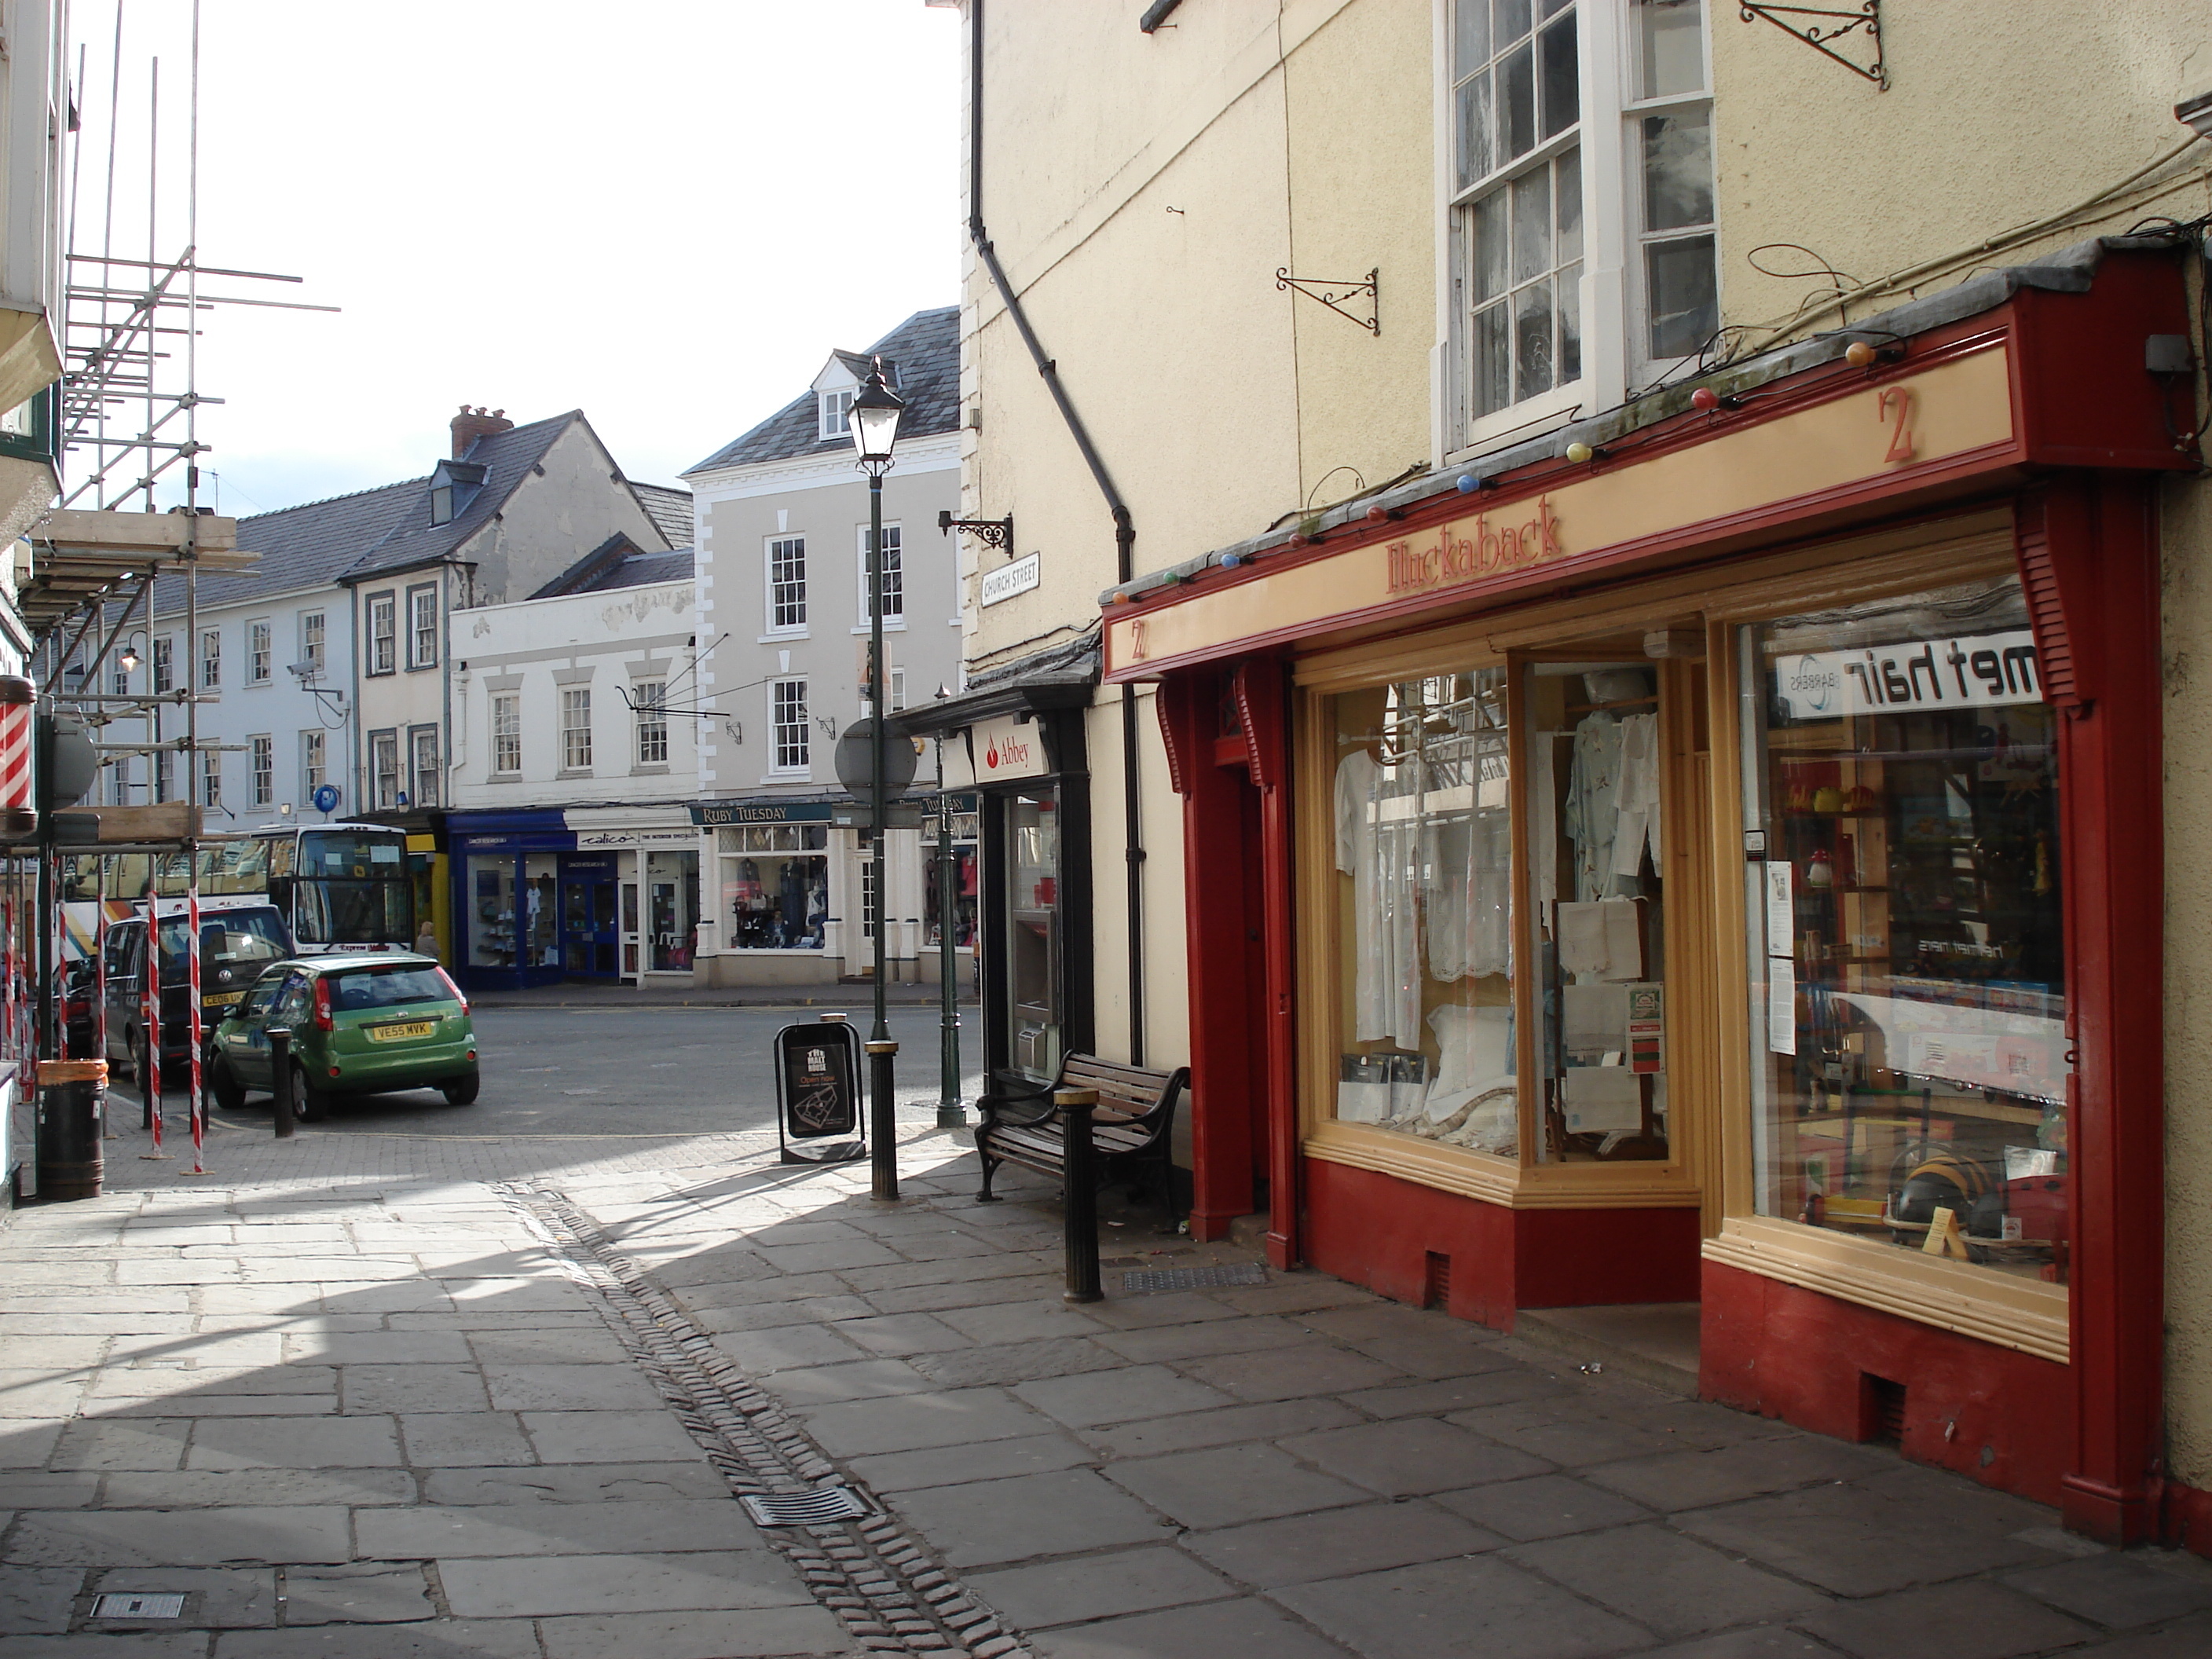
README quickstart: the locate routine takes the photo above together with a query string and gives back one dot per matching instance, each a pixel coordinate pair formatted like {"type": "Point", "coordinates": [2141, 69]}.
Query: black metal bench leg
{"type": "Point", "coordinates": [990, 1168]}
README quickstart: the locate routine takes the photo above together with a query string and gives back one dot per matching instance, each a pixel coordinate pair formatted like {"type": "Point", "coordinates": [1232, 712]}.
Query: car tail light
{"type": "Point", "coordinates": [453, 989]}
{"type": "Point", "coordinates": [323, 1006]}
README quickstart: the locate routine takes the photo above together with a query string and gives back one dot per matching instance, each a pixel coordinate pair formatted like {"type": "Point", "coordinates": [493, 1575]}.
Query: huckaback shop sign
{"type": "Point", "coordinates": [1469, 550]}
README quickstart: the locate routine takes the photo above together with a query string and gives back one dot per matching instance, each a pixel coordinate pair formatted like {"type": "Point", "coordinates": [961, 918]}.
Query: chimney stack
{"type": "Point", "coordinates": [471, 424]}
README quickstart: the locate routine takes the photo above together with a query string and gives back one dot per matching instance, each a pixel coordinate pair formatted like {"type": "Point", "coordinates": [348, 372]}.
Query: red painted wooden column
{"type": "Point", "coordinates": [1262, 698]}
{"type": "Point", "coordinates": [1226, 1088]}
{"type": "Point", "coordinates": [2088, 554]}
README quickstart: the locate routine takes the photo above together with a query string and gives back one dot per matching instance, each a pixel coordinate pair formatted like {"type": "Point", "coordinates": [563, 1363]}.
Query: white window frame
{"type": "Point", "coordinates": [313, 765]}
{"type": "Point", "coordinates": [263, 789]}
{"type": "Point", "coordinates": [384, 769]}
{"type": "Point", "coordinates": [260, 649]}
{"type": "Point", "coordinates": [164, 774]}
{"type": "Point", "coordinates": [1645, 369]}
{"type": "Point", "coordinates": [210, 777]}
{"type": "Point", "coordinates": [507, 734]}
{"type": "Point", "coordinates": [418, 773]}
{"type": "Point", "coordinates": [575, 728]}
{"type": "Point", "coordinates": [893, 543]}
{"type": "Point", "coordinates": [833, 412]}
{"type": "Point", "coordinates": [421, 633]}
{"type": "Point", "coordinates": [384, 633]}
{"type": "Point", "coordinates": [1599, 131]}
{"type": "Point", "coordinates": [164, 667]}
{"type": "Point", "coordinates": [210, 660]}
{"type": "Point", "coordinates": [649, 702]}
{"type": "Point", "coordinates": [773, 629]}
{"type": "Point", "coordinates": [314, 628]}
{"type": "Point", "coordinates": [790, 725]}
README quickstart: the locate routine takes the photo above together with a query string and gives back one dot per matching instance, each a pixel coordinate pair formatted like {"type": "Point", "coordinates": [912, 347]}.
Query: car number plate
{"type": "Point", "coordinates": [222, 1000]}
{"type": "Point", "coordinates": [413, 1027]}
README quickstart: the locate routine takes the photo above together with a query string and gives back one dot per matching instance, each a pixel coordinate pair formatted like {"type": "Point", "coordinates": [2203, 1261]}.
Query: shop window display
{"type": "Point", "coordinates": [776, 886]}
{"type": "Point", "coordinates": [1423, 848]}
{"type": "Point", "coordinates": [491, 910]}
{"type": "Point", "coordinates": [1599, 907]}
{"type": "Point", "coordinates": [1903, 906]}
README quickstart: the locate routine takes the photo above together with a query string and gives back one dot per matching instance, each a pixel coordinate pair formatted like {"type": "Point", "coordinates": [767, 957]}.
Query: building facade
{"type": "Point", "coordinates": [570, 837]}
{"type": "Point", "coordinates": [782, 538]}
{"type": "Point", "coordinates": [1651, 770]}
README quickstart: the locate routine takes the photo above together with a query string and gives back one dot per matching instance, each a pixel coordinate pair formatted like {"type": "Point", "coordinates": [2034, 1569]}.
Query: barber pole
{"type": "Point", "coordinates": [150, 1079]}
{"type": "Point", "coordinates": [19, 814]}
{"type": "Point", "coordinates": [192, 1018]}
{"type": "Point", "coordinates": [99, 960]}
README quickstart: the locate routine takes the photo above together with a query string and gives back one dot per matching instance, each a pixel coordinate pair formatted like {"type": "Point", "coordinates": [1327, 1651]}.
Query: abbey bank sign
{"type": "Point", "coordinates": [1668, 494]}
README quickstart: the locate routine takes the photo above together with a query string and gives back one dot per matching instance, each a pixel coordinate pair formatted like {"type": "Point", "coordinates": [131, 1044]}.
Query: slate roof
{"type": "Point", "coordinates": [926, 350]}
{"type": "Point", "coordinates": [671, 510]}
{"type": "Point", "coordinates": [507, 457]}
{"type": "Point", "coordinates": [642, 570]}
{"type": "Point", "coordinates": [308, 545]}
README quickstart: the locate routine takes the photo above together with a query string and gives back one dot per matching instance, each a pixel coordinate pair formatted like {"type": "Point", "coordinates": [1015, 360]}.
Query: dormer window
{"type": "Point", "coordinates": [836, 412]}
{"type": "Point", "coordinates": [453, 487]}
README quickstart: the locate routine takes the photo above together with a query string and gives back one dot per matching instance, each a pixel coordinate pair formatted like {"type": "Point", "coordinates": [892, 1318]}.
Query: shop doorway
{"type": "Point", "coordinates": [588, 932]}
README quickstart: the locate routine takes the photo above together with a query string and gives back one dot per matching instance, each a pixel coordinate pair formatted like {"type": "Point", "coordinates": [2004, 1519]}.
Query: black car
{"type": "Point", "coordinates": [236, 943]}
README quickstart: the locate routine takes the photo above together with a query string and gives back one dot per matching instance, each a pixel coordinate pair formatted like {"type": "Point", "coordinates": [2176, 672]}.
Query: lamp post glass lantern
{"type": "Point", "coordinates": [874, 418]}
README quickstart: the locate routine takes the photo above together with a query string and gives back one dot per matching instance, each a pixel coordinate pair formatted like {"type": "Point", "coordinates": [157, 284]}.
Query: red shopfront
{"type": "Point", "coordinates": [1724, 867]}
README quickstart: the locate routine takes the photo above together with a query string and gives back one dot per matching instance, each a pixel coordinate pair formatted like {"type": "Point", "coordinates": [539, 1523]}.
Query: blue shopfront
{"type": "Point", "coordinates": [531, 909]}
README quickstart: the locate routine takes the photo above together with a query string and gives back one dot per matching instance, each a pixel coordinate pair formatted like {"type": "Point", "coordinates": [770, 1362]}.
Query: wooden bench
{"type": "Point", "coordinates": [1132, 1124]}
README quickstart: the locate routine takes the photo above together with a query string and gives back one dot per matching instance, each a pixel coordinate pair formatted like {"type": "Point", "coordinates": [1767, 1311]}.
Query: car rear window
{"type": "Point", "coordinates": [228, 938]}
{"type": "Point", "coordinates": [387, 987]}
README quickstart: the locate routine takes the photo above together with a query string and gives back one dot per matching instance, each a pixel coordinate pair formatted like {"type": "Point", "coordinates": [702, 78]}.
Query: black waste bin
{"type": "Point", "coordinates": [72, 1121]}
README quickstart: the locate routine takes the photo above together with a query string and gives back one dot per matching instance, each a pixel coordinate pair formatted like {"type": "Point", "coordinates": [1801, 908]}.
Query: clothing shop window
{"type": "Point", "coordinates": [776, 886]}
{"type": "Point", "coordinates": [383, 634]}
{"type": "Point", "coordinates": [423, 765]}
{"type": "Point", "coordinates": [576, 729]}
{"type": "Point", "coordinates": [1517, 200]}
{"type": "Point", "coordinates": [491, 910]}
{"type": "Point", "coordinates": [963, 893]}
{"type": "Point", "coordinates": [257, 653]}
{"type": "Point", "coordinates": [894, 579]}
{"type": "Point", "coordinates": [384, 769]}
{"type": "Point", "coordinates": [1423, 851]}
{"type": "Point", "coordinates": [1908, 1017]}
{"type": "Point", "coordinates": [649, 701]}
{"type": "Point", "coordinates": [312, 648]}
{"type": "Point", "coordinates": [787, 584]}
{"type": "Point", "coordinates": [1671, 136]}
{"type": "Point", "coordinates": [312, 767]}
{"type": "Point", "coordinates": [506, 732]}
{"type": "Point", "coordinates": [423, 627]}
{"type": "Point", "coordinates": [787, 716]}
{"type": "Point", "coordinates": [211, 661]}
{"type": "Point", "coordinates": [1598, 904]}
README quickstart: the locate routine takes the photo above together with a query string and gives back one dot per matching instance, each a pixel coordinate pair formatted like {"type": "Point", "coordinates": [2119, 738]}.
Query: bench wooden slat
{"type": "Point", "coordinates": [1131, 1123]}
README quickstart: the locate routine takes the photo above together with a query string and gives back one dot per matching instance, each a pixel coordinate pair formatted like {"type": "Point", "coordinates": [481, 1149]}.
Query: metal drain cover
{"type": "Point", "coordinates": [117, 1605]}
{"type": "Point", "coordinates": [1194, 1279]}
{"type": "Point", "coordinates": [805, 1508]}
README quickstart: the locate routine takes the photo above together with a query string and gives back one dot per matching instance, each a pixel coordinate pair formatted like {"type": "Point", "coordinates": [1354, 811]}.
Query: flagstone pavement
{"type": "Point", "coordinates": [347, 1409]}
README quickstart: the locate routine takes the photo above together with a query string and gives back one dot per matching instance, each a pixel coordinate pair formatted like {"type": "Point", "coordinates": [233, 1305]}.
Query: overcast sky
{"type": "Point", "coordinates": [665, 213]}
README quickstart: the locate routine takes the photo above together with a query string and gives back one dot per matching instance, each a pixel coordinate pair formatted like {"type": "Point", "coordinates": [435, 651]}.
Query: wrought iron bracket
{"type": "Point", "coordinates": [1335, 294]}
{"type": "Point", "coordinates": [1829, 26]}
{"type": "Point", "coordinates": [992, 532]}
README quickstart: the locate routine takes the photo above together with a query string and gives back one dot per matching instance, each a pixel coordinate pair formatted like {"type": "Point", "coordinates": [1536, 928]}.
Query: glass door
{"type": "Point", "coordinates": [1032, 939]}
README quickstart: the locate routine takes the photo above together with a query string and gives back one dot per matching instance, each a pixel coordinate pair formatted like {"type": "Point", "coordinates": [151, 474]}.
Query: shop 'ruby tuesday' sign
{"type": "Point", "coordinates": [1951, 420]}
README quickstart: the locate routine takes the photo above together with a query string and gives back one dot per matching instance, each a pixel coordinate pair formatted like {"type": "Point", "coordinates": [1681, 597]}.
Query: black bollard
{"type": "Point", "coordinates": [1082, 1196]}
{"type": "Point", "coordinates": [280, 1082]}
{"type": "Point", "coordinates": [882, 1123]}
{"type": "Point", "coordinates": [72, 1115]}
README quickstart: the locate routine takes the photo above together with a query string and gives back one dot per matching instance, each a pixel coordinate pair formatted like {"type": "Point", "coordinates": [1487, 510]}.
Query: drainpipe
{"type": "Point", "coordinates": [1125, 529]}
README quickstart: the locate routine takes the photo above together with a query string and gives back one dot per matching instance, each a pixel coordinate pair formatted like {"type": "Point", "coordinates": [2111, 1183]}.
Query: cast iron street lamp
{"type": "Point", "coordinates": [875, 422]}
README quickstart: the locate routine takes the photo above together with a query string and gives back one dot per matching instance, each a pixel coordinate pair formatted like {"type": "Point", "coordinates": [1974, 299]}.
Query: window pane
{"type": "Point", "coordinates": [1493, 362]}
{"type": "Point", "coordinates": [1512, 17]}
{"type": "Point", "coordinates": [1422, 911]}
{"type": "Point", "coordinates": [1670, 38]}
{"type": "Point", "coordinates": [1908, 1043]}
{"type": "Point", "coordinates": [1552, 8]}
{"type": "Point", "coordinates": [1684, 292]}
{"type": "Point", "coordinates": [1569, 194]}
{"type": "Point", "coordinates": [1562, 86]}
{"type": "Point", "coordinates": [1471, 45]}
{"type": "Point", "coordinates": [1531, 224]}
{"type": "Point", "coordinates": [1488, 254]}
{"type": "Point", "coordinates": [1677, 170]}
{"type": "Point", "coordinates": [1476, 157]}
{"type": "Point", "coordinates": [1570, 324]}
{"type": "Point", "coordinates": [1532, 339]}
{"type": "Point", "coordinates": [1516, 98]}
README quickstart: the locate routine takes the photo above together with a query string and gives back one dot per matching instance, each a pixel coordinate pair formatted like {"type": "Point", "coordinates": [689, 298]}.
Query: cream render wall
{"type": "Point", "coordinates": [1987, 128]}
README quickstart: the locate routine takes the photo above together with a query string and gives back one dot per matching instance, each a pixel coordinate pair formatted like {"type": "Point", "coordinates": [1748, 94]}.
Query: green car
{"type": "Point", "coordinates": [361, 1024]}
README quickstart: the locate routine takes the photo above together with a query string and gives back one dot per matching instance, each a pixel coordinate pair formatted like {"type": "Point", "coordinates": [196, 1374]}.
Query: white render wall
{"type": "Point", "coordinates": [536, 649]}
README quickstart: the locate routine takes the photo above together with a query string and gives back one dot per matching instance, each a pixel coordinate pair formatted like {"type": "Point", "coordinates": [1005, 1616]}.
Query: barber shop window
{"type": "Point", "coordinates": [1901, 796]}
{"type": "Point", "coordinates": [1423, 858]}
